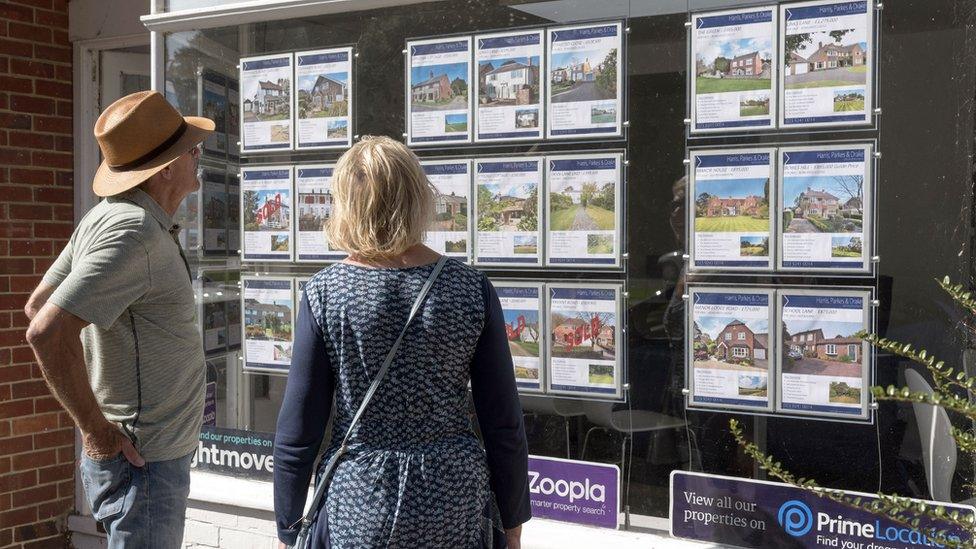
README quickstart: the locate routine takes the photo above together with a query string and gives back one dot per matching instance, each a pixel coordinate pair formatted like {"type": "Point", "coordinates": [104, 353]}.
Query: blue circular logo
{"type": "Point", "coordinates": [795, 517]}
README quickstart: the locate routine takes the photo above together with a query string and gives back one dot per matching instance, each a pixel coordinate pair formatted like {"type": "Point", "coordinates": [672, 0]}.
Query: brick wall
{"type": "Point", "coordinates": [36, 437]}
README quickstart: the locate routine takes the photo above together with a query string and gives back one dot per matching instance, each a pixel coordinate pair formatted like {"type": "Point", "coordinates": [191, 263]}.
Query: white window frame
{"type": "Point", "coordinates": [740, 352]}
{"type": "Point", "coordinates": [741, 336]}
{"type": "Point", "coordinates": [831, 349]}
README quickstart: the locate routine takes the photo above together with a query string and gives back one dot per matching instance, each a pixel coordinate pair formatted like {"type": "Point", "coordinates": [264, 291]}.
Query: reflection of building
{"type": "Point", "coordinates": [450, 204]}
{"type": "Point", "coordinates": [434, 88]}
{"type": "Point", "coordinates": [736, 340]}
{"type": "Point", "coordinates": [271, 98]}
{"type": "Point", "coordinates": [508, 80]}
{"type": "Point", "coordinates": [720, 207]}
{"type": "Point", "coordinates": [839, 348]}
{"type": "Point", "coordinates": [818, 203]}
{"type": "Point", "coordinates": [805, 342]}
{"type": "Point", "coordinates": [325, 92]}
{"type": "Point", "coordinates": [272, 213]}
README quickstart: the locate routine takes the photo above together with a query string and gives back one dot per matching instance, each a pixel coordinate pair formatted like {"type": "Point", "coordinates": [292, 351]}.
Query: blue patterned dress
{"type": "Point", "coordinates": [415, 474]}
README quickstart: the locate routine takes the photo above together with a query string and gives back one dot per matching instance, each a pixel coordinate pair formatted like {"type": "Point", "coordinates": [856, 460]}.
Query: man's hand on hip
{"type": "Point", "coordinates": [108, 442]}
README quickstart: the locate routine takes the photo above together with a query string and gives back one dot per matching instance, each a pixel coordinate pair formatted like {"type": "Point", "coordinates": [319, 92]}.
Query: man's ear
{"type": "Point", "coordinates": [167, 172]}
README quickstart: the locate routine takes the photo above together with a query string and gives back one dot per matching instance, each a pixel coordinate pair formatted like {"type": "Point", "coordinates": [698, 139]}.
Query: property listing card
{"type": "Point", "coordinates": [824, 366]}
{"type": "Point", "coordinates": [438, 95]}
{"type": "Point", "coordinates": [508, 206]}
{"type": "Point", "coordinates": [735, 65]}
{"type": "Point", "coordinates": [728, 206]}
{"type": "Point", "coordinates": [266, 111]}
{"type": "Point", "coordinates": [828, 63]}
{"type": "Point", "coordinates": [269, 314]}
{"type": "Point", "coordinates": [233, 308]}
{"type": "Point", "coordinates": [522, 307]}
{"type": "Point", "coordinates": [266, 206]}
{"type": "Point", "coordinates": [730, 347]}
{"type": "Point", "coordinates": [583, 204]}
{"type": "Point", "coordinates": [212, 97]}
{"type": "Point", "coordinates": [583, 327]}
{"type": "Point", "coordinates": [233, 214]}
{"type": "Point", "coordinates": [585, 81]}
{"type": "Point", "coordinates": [214, 322]}
{"type": "Point", "coordinates": [508, 99]}
{"type": "Point", "coordinates": [323, 103]}
{"type": "Point", "coordinates": [825, 202]}
{"type": "Point", "coordinates": [313, 205]}
{"type": "Point", "coordinates": [214, 208]}
{"type": "Point", "coordinates": [233, 119]}
{"type": "Point", "coordinates": [451, 227]}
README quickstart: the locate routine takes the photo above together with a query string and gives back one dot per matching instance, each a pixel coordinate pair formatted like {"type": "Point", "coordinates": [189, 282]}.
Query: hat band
{"type": "Point", "coordinates": [153, 153]}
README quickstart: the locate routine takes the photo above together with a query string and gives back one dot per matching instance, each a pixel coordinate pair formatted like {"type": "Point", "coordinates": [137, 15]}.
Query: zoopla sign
{"type": "Point", "coordinates": [574, 491]}
{"type": "Point", "coordinates": [760, 514]}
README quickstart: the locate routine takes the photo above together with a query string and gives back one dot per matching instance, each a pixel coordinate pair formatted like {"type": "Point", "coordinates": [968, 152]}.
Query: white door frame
{"type": "Point", "coordinates": [86, 111]}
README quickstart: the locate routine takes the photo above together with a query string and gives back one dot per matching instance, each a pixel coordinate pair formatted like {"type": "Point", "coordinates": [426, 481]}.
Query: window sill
{"type": "Point", "coordinates": [233, 491]}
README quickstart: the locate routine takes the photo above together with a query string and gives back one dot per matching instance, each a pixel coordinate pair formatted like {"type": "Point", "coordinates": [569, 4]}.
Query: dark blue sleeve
{"type": "Point", "coordinates": [301, 422]}
{"type": "Point", "coordinates": [499, 413]}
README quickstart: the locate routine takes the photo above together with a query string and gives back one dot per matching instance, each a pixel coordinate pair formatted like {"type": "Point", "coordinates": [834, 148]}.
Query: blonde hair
{"type": "Point", "coordinates": [383, 201]}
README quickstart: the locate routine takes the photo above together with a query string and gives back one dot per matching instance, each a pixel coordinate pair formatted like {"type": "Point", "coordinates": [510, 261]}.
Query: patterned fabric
{"type": "Point", "coordinates": [415, 474]}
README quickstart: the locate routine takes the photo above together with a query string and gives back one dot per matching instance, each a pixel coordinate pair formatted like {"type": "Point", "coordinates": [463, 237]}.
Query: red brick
{"type": "Point", "coordinates": [15, 84]}
{"type": "Point", "coordinates": [32, 67]}
{"type": "Point", "coordinates": [16, 408]}
{"type": "Point", "coordinates": [27, 389]}
{"type": "Point", "coordinates": [24, 31]}
{"type": "Point", "coordinates": [17, 13]}
{"type": "Point", "coordinates": [60, 37]}
{"type": "Point", "coordinates": [63, 73]}
{"type": "Point", "coordinates": [55, 472]}
{"type": "Point", "coordinates": [4, 430]}
{"type": "Point", "coordinates": [52, 19]}
{"type": "Point", "coordinates": [14, 121]}
{"type": "Point", "coordinates": [34, 424]}
{"type": "Point", "coordinates": [14, 373]}
{"type": "Point", "coordinates": [42, 264]}
{"type": "Point", "coordinates": [6, 536]}
{"type": "Point", "coordinates": [15, 157]}
{"type": "Point", "coordinates": [4, 469]}
{"type": "Point", "coordinates": [64, 213]}
{"type": "Point", "coordinates": [30, 211]}
{"type": "Point", "coordinates": [65, 179]}
{"type": "Point", "coordinates": [65, 108]}
{"type": "Point", "coordinates": [54, 124]}
{"type": "Point", "coordinates": [14, 266]}
{"type": "Point", "coordinates": [66, 454]}
{"type": "Point", "coordinates": [36, 460]}
{"type": "Point", "coordinates": [18, 49]}
{"type": "Point", "coordinates": [55, 439]}
{"type": "Point", "coordinates": [52, 230]}
{"type": "Point", "coordinates": [4, 61]}
{"type": "Point", "coordinates": [53, 53]}
{"type": "Point", "coordinates": [31, 140]}
{"type": "Point", "coordinates": [46, 404]}
{"type": "Point", "coordinates": [17, 517]}
{"type": "Point", "coordinates": [54, 542]}
{"type": "Point", "coordinates": [49, 510]}
{"type": "Point", "coordinates": [16, 193]}
{"type": "Point", "coordinates": [41, 529]}
{"type": "Point", "coordinates": [17, 481]}
{"type": "Point", "coordinates": [46, 4]}
{"type": "Point", "coordinates": [52, 159]}
{"type": "Point", "coordinates": [28, 248]}
{"type": "Point", "coordinates": [15, 230]}
{"type": "Point", "coordinates": [31, 177]}
{"type": "Point", "coordinates": [53, 89]}
{"type": "Point", "coordinates": [32, 104]}
{"type": "Point", "coordinates": [22, 355]}
{"type": "Point", "coordinates": [25, 284]}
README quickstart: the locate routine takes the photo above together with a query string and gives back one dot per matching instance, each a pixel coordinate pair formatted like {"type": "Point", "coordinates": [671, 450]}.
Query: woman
{"type": "Point", "coordinates": [415, 475]}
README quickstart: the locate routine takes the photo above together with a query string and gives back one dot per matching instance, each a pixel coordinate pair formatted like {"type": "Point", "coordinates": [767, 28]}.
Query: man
{"type": "Point", "coordinates": [123, 285]}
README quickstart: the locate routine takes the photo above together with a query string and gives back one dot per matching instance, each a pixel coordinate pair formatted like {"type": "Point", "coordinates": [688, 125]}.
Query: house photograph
{"type": "Point", "coordinates": [582, 335]}
{"type": "Point", "coordinates": [823, 204]}
{"type": "Point", "coordinates": [267, 100]}
{"type": "Point", "coordinates": [817, 347]}
{"type": "Point", "coordinates": [727, 343]}
{"type": "Point", "coordinates": [508, 81]}
{"type": "Point", "coordinates": [723, 65]}
{"type": "Point", "coordinates": [266, 210]}
{"type": "Point", "coordinates": [267, 321]}
{"type": "Point", "coordinates": [583, 75]}
{"type": "Point", "coordinates": [450, 212]}
{"type": "Point", "coordinates": [826, 59]}
{"type": "Point", "coordinates": [439, 87]}
{"type": "Point", "coordinates": [314, 208]}
{"type": "Point", "coordinates": [576, 205]}
{"type": "Point", "coordinates": [522, 330]}
{"type": "Point", "coordinates": [508, 207]}
{"type": "Point", "coordinates": [323, 95]}
{"type": "Point", "coordinates": [732, 205]}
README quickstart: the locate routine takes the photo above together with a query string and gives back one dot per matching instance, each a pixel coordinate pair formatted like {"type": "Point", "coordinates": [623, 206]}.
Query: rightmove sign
{"type": "Point", "coordinates": [761, 514]}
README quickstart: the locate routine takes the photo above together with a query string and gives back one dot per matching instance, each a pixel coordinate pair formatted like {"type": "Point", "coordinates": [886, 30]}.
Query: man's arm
{"type": "Point", "coordinates": [54, 336]}
{"type": "Point", "coordinates": [37, 299]}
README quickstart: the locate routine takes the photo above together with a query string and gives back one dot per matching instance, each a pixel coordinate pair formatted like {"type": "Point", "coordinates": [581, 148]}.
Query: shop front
{"type": "Point", "coordinates": [690, 210]}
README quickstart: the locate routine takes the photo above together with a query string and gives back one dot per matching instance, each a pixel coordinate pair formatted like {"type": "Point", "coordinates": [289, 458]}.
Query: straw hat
{"type": "Point", "coordinates": [140, 135]}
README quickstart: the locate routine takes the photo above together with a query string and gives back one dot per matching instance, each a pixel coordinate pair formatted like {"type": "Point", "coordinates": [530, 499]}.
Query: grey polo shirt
{"type": "Point", "coordinates": [124, 272]}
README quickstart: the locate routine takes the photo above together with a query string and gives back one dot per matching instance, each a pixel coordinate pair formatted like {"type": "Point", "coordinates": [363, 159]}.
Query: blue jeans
{"type": "Point", "coordinates": [142, 507]}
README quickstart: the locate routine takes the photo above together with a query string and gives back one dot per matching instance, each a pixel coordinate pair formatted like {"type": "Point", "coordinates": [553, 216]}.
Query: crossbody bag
{"type": "Point", "coordinates": [308, 520]}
